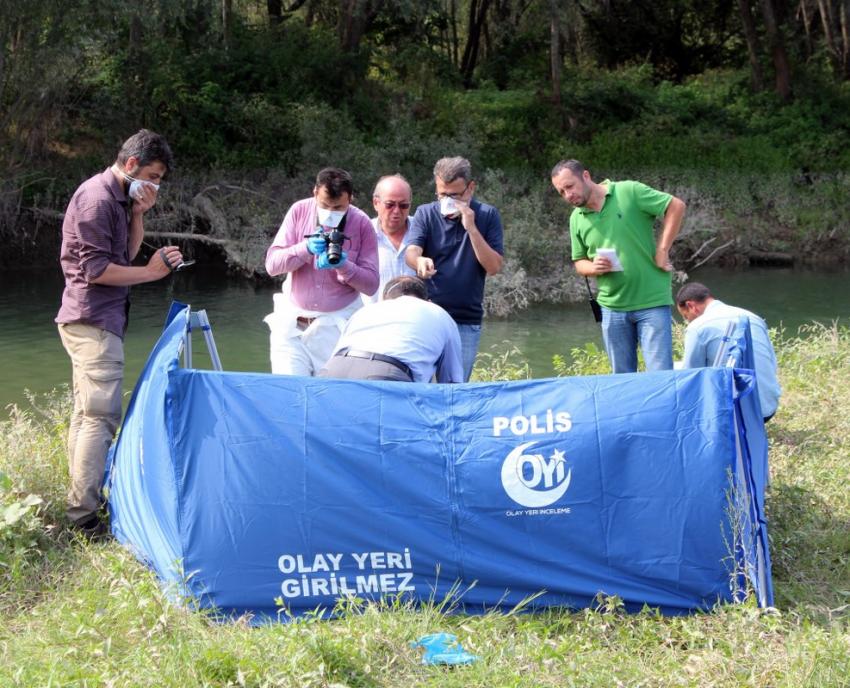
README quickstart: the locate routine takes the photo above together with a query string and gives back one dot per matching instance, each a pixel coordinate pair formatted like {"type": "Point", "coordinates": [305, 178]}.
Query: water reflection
{"type": "Point", "coordinates": [33, 358]}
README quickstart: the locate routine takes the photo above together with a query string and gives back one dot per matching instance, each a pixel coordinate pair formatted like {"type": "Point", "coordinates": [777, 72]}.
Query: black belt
{"type": "Point", "coordinates": [356, 353]}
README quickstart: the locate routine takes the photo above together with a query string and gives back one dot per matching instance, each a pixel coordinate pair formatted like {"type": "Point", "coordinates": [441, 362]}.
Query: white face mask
{"type": "Point", "coordinates": [330, 218]}
{"type": "Point", "coordinates": [448, 206]}
{"type": "Point", "coordinates": [136, 186]}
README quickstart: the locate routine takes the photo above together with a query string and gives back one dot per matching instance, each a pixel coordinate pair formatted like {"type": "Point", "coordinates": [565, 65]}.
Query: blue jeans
{"type": "Point", "coordinates": [651, 327]}
{"type": "Point", "coordinates": [469, 337]}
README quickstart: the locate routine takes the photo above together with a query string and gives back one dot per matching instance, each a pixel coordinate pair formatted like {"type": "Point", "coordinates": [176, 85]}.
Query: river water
{"type": "Point", "coordinates": [32, 358]}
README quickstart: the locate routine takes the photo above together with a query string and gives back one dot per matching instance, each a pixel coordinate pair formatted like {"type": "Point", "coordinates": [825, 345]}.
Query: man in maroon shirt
{"type": "Point", "coordinates": [101, 235]}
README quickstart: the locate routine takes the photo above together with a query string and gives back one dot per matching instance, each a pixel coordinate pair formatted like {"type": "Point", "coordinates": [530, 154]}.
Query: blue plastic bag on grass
{"type": "Point", "coordinates": [443, 648]}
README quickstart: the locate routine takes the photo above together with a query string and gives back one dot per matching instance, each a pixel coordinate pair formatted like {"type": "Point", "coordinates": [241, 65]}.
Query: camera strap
{"type": "Point", "coordinates": [595, 308]}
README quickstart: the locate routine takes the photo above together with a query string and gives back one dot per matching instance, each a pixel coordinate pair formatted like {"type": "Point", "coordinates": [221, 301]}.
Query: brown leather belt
{"type": "Point", "coordinates": [355, 353]}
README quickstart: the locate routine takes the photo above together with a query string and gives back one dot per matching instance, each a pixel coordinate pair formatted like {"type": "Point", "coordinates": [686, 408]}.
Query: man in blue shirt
{"type": "Point", "coordinates": [456, 242]}
{"type": "Point", "coordinates": [402, 338]}
{"type": "Point", "coordinates": [707, 320]}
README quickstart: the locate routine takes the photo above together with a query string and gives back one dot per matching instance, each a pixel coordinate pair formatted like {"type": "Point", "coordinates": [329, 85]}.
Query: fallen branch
{"type": "Point", "coordinates": [708, 257]}
{"type": "Point", "coordinates": [699, 250]}
{"type": "Point", "coordinates": [236, 187]}
{"type": "Point", "coordinates": [188, 236]}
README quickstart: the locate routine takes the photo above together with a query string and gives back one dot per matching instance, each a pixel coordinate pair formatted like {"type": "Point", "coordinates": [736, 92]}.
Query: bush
{"type": "Point", "coordinates": [21, 531]}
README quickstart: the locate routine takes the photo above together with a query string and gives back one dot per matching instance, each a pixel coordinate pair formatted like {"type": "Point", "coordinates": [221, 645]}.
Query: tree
{"type": "Point", "coordinates": [776, 42]}
{"type": "Point", "coordinates": [555, 52]}
{"type": "Point", "coordinates": [749, 26]}
{"type": "Point", "coordinates": [477, 17]}
{"type": "Point", "coordinates": [678, 37]}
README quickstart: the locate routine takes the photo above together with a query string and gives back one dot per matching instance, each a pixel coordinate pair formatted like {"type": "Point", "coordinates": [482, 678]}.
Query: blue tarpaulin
{"type": "Point", "coordinates": [257, 493]}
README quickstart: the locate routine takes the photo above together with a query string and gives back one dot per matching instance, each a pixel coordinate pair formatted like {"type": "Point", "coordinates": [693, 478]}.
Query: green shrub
{"type": "Point", "coordinates": [101, 618]}
{"type": "Point", "coordinates": [21, 532]}
{"type": "Point", "coordinates": [587, 360]}
{"type": "Point", "coordinates": [502, 362]}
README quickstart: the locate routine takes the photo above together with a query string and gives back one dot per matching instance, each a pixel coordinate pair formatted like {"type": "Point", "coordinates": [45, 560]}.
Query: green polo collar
{"type": "Point", "coordinates": [610, 186]}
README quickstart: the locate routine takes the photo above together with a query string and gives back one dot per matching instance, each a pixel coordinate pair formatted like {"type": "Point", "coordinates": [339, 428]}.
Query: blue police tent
{"type": "Point", "coordinates": [275, 495]}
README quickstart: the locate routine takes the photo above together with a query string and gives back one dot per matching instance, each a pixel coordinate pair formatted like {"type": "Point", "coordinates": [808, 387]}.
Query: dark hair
{"type": "Point", "coordinates": [449, 169]}
{"type": "Point", "coordinates": [573, 166]}
{"type": "Point", "coordinates": [147, 147]}
{"type": "Point", "coordinates": [692, 291]}
{"type": "Point", "coordinates": [406, 285]}
{"type": "Point", "coordinates": [336, 181]}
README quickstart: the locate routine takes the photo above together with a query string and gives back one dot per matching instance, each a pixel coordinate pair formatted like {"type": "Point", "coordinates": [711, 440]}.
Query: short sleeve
{"type": "Point", "coordinates": [578, 248]}
{"type": "Point", "coordinates": [418, 232]}
{"type": "Point", "coordinates": [493, 232]}
{"type": "Point", "coordinates": [649, 200]}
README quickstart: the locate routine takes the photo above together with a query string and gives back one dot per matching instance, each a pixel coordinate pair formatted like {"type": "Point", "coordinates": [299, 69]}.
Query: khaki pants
{"type": "Point", "coordinates": [98, 364]}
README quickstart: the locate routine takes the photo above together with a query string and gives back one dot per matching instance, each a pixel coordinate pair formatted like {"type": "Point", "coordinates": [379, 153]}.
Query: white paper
{"type": "Point", "coordinates": [611, 254]}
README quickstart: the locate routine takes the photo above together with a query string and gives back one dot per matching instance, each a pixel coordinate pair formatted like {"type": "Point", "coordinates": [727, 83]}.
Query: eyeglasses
{"type": "Point", "coordinates": [403, 205]}
{"type": "Point", "coordinates": [455, 195]}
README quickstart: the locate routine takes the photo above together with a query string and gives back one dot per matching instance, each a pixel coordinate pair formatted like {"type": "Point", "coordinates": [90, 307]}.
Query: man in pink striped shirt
{"type": "Point", "coordinates": [322, 290]}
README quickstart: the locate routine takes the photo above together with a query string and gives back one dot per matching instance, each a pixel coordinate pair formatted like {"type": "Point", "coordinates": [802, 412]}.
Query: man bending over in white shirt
{"type": "Point", "coordinates": [404, 338]}
{"type": "Point", "coordinates": [707, 320]}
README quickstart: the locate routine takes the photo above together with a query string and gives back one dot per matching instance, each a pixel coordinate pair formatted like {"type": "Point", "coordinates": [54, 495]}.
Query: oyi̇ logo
{"type": "Point", "coordinates": [533, 481]}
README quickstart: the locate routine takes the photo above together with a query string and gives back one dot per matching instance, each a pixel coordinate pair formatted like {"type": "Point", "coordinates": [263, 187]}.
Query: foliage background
{"type": "Point", "coordinates": [255, 97]}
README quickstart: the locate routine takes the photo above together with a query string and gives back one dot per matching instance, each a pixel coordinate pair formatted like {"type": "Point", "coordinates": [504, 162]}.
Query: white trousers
{"type": "Point", "coordinates": [298, 350]}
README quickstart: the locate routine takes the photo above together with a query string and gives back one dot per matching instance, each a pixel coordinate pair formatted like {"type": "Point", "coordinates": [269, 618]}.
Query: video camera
{"type": "Point", "coordinates": [334, 239]}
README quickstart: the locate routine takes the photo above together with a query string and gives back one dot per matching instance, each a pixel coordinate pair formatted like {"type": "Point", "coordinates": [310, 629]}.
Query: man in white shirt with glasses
{"type": "Point", "coordinates": [392, 202]}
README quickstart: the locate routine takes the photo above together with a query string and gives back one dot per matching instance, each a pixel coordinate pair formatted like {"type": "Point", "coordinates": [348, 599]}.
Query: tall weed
{"type": "Point", "coordinates": [92, 615]}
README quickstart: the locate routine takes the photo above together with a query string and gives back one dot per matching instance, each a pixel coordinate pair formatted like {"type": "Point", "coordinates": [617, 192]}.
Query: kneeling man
{"type": "Point", "coordinates": [707, 319]}
{"type": "Point", "coordinates": [404, 338]}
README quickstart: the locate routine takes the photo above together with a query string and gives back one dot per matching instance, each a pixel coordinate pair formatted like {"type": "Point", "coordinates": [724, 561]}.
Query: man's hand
{"type": "Point", "coordinates": [662, 259]}
{"type": "Point", "coordinates": [163, 262]}
{"type": "Point", "coordinates": [145, 200]}
{"type": "Point", "coordinates": [323, 264]}
{"type": "Point", "coordinates": [316, 245]}
{"type": "Point", "coordinates": [425, 267]}
{"type": "Point", "coordinates": [601, 265]}
{"type": "Point", "coordinates": [467, 216]}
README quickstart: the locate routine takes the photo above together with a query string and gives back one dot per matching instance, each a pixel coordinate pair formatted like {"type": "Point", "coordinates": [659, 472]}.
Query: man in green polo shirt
{"type": "Point", "coordinates": [611, 230]}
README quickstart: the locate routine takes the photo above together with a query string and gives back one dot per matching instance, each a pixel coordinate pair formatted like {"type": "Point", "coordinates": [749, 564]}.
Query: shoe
{"type": "Point", "coordinates": [93, 528]}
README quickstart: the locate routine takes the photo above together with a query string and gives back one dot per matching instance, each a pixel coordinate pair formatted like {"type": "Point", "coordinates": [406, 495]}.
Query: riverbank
{"type": "Point", "coordinates": [733, 220]}
{"type": "Point", "coordinates": [75, 613]}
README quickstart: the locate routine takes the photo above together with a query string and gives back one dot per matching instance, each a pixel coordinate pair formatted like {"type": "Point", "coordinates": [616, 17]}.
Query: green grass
{"type": "Point", "coordinates": [77, 614]}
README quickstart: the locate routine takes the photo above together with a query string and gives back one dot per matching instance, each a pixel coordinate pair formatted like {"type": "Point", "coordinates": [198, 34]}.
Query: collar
{"type": "Point", "coordinates": [716, 304]}
{"type": "Point", "coordinates": [116, 188]}
{"type": "Point", "coordinates": [609, 185]}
